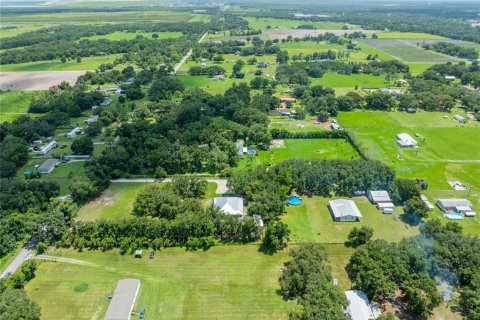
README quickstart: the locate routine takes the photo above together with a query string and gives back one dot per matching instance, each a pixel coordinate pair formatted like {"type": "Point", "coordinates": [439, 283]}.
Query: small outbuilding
{"type": "Point", "coordinates": [404, 140]}
{"type": "Point", "coordinates": [359, 308]}
{"type": "Point", "coordinates": [427, 202]}
{"type": "Point", "coordinates": [460, 119]}
{"type": "Point", "coordinates": [92, 119]}
{"type": "Point", "coordinates": [76, 131]}
{"type": "Point", "coordinates": [229, 205]}
{"type": "Point", "coordinates": [106, 101]}
{"type": "Point", "coordinates": [378, 196]}
{"type": "Point", "coordinates": [386, 207]}
{"type": "Point", "coordinates": [47, 166]}
{"type": "Point", "coordinates": [343, 210]}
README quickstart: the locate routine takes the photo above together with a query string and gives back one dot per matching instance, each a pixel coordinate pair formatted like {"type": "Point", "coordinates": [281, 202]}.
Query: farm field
{"type": "Point", "coordinates": [465, 44]}
{"type": "Point", "coordinates": [407, 35]}
{"type": "Point", "coordinates": [312, 221]}
{"type": "Point", "coordinates": [407, 52]}
{"type": "Point", "coordinates": [231, 282]}
{"type": "Point", "coordinates": [14, 31]}
{"type": "Point", "coordinates": [88, 63]}
{"type": "Point", "coordinates": [95, 17]}
{"type": "Point", "coordinates": [300, 148]}
{"type": "Point", "coordinates": [116, 36]}
{"type": "Point", "coordinates": [31, 81]}
{"type": "Point", "coordinates": [116, 202]}
{"type": "Point", "coordinates": [308, 47]}
{"type": "Point", "coordinates": [15, 103]}
{"type": "Point", "coordinates": [262, 23]}
{"type": "Point", "coordinates": [334, 80]}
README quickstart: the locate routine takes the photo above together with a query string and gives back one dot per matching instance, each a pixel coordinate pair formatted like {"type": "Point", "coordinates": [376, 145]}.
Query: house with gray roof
{"type": "Point", "coordinates": [344, 210]}
{"type": "Point", "coordinates": [378, 196]}
{"type": "Point", "coordinates": [229, 205]}
{"type": "Point", "coordinates": [48, 166]}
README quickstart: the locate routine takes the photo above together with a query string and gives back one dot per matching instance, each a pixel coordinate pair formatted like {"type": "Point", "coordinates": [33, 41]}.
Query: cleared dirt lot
{"type": "Point", "coordinates": [28, 81]}
{"type": "Point", "coordinates": [300, 33]}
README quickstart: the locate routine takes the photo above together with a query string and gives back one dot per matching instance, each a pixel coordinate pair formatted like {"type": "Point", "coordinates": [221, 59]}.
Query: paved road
{"type": "Point", "coordinates": [189, 53]}
{"type": "Point", "coordinates": [25, 254]}
{"type": "Point", "coordinates": [221, 183]}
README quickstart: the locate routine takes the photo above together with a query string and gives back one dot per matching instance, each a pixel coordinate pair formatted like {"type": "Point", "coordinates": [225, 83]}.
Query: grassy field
{"type": "Point", "coordinates": [406, 35]}
{"type": "Point", "coordinates": [15, 103]}
{"type": "Point", "coordinates": [404, 51]}
{"type": "Point", "coordinates": [262, 23]}
{"type": "Point", "coordinates": [445, 151]}
{"type": "Point", "coordinates": [95, 17]}
{"type": "Point", "coordinates": [307, 125]}
{"type": "Point", "coordinates": [311, 221]}
{"type": "Point", "coordinates": [116, 36]}
{"type": "Point", "coordinates": [117, 201]}
{"type": "Point", "coordinates": [13, 31]}
{"type": "Point", "coordinates": [228, 282]}
{"type": "Point", "coordinates": [335, 80]}
{"type": "Point", "coordinates": [88, 63]}
{"type": "Point", "coordinates": [308, 47]}
{"type": "Point", "coordinates": [300, 148]}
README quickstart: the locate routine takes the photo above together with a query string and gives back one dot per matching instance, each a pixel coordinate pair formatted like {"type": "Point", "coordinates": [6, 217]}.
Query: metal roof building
{"type": "Point", "coordinates": [378, 196]}
{"type": "Point", "coordinates": [229, 205]}
{"type": "Point", "coordinates": [47, 166]}
{"type": "Point", "coordinates": [344, 210]}
{"type": "Point", "coordinates": [359, 307]}
{"type": "Point", "coordinates": [405, 140]}
{"type": "Point", "coordinates": [123, 300]}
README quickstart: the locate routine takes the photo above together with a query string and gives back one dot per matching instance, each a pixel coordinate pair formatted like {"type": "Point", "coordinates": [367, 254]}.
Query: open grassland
{"type": "Point", "coordinates": [417, 68]}
{"type": "Point", "coordinates": [446, 152]}
{"type": "Point", "coordinates": [263, 23]}
{"type": "Point", "coordinates": [379, 54]}
{"type": "Point", "coordinates": [15, 103]}
{"type": "Point", "coordinates": [87, 63]}
{"type": "Point", "coordinates": [95, 17]}
{"type": "Point", "coordinates": [14, 31]}
{"type": "Point", "coordinates": [308, 125]}
{"type": "Point", "coordinates": [199, 18]}
{"type": "Point", "coordinates": [312, 221]}
{"type": "Point", "coordinates": [227, 282]}
{"type": "Point", "coordinates": [406, 35]}
{"type": "Point", "coordinates": [334, 80]}
{"type": "Point", "coordinates": [116, 36]}
{"type": "Point", "coordinates": [406, 52]}
{"type": "Point", "coordinates": [300, 148]}
{"type": "Point", "coordinates": [309, 47]}
{"type": "Point", "coordinates": [116, 202]}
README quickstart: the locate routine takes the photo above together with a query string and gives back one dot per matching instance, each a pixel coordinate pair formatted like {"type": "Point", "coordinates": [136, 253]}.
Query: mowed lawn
{"type": "Point", "coordinates": [312, 221]}
{"type": "Point", "coordinates": [88, 63]}
{"type": "Point", "coordinates": [300, 148]}
{"type": "Point", "coordinates": [334, 80]}
{"type": "Point", "coordinates": [225, 282]}
{"type": "Point", "coordinates": [15, 103]}
{"type": "Point", "coordinates": [116, 202]}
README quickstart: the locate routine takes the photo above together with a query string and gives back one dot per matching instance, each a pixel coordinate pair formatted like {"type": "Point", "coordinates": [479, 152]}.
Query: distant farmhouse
{"type": "Point", "coordinates": [229, 205]}
{"type": "Point", "coordinates": [344, 210]}
{"type": "Point", "coordinates": [106, 101]}
{"type": "Point", "coordinates": [91, 120]}
{"type": "Point", "coordinates": [47, 166]}
{"type": "Point", "coordinates": [404, 140]}
{"type": "Point", "coordinates": [76, 131]}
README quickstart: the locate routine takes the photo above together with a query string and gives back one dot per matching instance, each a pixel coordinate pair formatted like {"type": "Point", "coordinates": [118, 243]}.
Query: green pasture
{"type": "Point", "coordinates": [15, 103]}
{"type": "Point", "coordinates": [417, 68]}
{"type": "Point", "coordinates": [309, 47]}
{"type": "Point", "coordinates": [227, 282]}
{"type": "Point", "coordinates": [406, 52]}
{"type": "Point", "coordinates": [199, 18]}
{"type": "Point", "coordinates": [262, 23]}
{"type": "Point", "coordinates": [308, 125]}
{"type": "Point", "coordinates": [312, 221]}
{"type": "Point", "coordinates": [116, 36]}
{"type": "Point", "coordinates": [334, 80]}
{"type": "Point", "coordinates": [465, 44]}
{"type": "Point", "coordinates": [406, 35]}
{"type": "Point", "coordinates": [87, 63]}
{"type": "Point", "coordinates": [95, 17]}
{"type": "Point", "coordinates": [116, 202]}
{"type": "Point", "coordinates": [300, 148]}
{"type": "Point", "coordinates": [370, 50]}
{"type": "Point", "coordinates": [14, 31]}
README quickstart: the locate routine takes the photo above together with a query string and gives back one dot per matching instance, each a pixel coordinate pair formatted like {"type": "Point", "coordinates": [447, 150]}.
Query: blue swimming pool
{"type": "Point", "coordinates": [455, 216]}
{"type": "Point", "coordinates": [252, 152]}
{"type": "Point", "coordinates": [294, 200]}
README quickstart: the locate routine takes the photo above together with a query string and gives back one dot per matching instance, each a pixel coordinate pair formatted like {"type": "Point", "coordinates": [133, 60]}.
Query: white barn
{"type": "Point", "coordinates": [229, 205]}
{"type": "Point", "coordinates": [404, 140]}
{"type": "Point", "coordinates": [344, 210]}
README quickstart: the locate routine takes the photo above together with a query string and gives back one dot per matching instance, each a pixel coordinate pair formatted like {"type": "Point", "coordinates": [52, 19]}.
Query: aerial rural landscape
{"type": "Point", "coordinates": [239, 159]}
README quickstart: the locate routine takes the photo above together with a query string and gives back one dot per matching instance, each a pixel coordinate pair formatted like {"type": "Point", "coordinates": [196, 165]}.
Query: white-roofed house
{"type": "Point", "coordinates": [344, 210]}
{"type": "Point", "coordinates": [229, 205]}
{"type": "Point", "coordinates": [48, 147]}
{"type": "Point", "coordinates": [405, 140]}
{"type": "Point", "coordinates": [359, 308]}
{"type": "Point", "coordinates": [72, 134]}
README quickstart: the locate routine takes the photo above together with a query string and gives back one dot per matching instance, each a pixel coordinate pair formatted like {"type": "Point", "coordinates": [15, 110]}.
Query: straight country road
{"type": "Point", "coordinates": [221, 183]}
{"type": "Point", "coordinates": [189, 53]}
